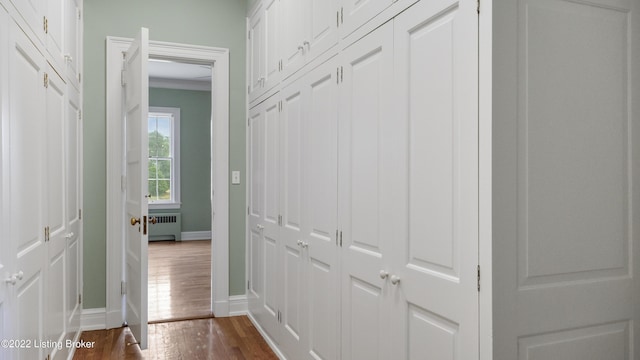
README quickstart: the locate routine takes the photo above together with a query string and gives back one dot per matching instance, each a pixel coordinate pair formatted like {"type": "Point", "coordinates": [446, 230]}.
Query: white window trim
{"type": "Point", "coordinates": [175, 144]}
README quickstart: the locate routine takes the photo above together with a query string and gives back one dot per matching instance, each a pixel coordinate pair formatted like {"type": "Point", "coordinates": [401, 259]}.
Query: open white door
{"type": "Point", "coordinates": [136, 88]}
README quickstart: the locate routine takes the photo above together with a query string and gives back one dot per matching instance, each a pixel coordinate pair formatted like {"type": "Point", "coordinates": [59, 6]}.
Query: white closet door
{"type": "Point", "coordinates": [365, 195]}
{"type": "Point", "coordinates": [566, 176]}
{"type": "Point", "coordinates": [55, 36]}
{"type": "Point", "coordinates": [73, 206]}
{"type": "Point", "coordinates": [5, 243]}
{"type": "Point", "coordinates": [272, 43]}
{"type": "Point", "coordinates": [255, 249]}
{"type": "Point", "coordinates": [256, 53]}
{"type": "Point", "coordinates": [323, 27]}
{"type": "Point", "coordinates": [56, 215]}
{"type": "Point", "coordinates": [72, 39]}
{"type": "Point", "coordinates": [27, 174]}
{"type": "Point", "coordinates": [33, 12]}
{"type": "Point", "coordinates": [355, 13]}
{"type": "Point", "coordinates": [319, 246]}
{"type": "Point", "coordinates": [294, 33]}
{"type": "Point", "coordinates": [436, 167]}
{"type": "Point", "coordinates": [294, 218]}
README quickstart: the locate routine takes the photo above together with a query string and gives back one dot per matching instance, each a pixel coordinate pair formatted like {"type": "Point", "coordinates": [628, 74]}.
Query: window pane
{"type": "Point", "coordinates": [164, 189]}
{"type": "Point", "coordinates": [153, 190]}
{"type": "Point", "coordinates": [164, 169]}
{"type": "Point", "coordinates": [164, 137]}
{"type": "Point", "coordinates": [152, 170]}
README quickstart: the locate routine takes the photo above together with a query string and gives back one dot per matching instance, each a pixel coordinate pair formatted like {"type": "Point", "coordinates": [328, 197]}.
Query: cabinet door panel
{"type": "Point", "coordinates": [55, 32]}
{"type": "Point", "coordinates": [256, 53]}
{"type": "Point", "coordinates": [293, 30]}
{"type": "Point", "coordinates": [436, 164]}
{"type": "Point", "coordinates": [255, 195]}
{"type": "Point", "coordinates": [72, 39]}
{"type": "Point", "coordinates": [323, 27]}
{"type": "Point", "coordinates": [356, 13]}
{"type": "Point", "coordinates": [33, 12]}
{"type": "Point", "coordinates": [366, 194]}
{"type": "Point", "coordinates": [272, 43]}
{"type": "Point", "coordinates": [321, 189]}
{"type": "Point", "coordinates": [27, 197]}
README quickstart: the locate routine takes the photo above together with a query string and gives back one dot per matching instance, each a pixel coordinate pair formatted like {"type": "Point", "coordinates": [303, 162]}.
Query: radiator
{"type": "Point", "coordinates": [167, 225]}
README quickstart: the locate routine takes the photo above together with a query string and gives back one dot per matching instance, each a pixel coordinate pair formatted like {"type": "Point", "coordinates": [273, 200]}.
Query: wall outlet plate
{"type": "Point", "coordinates": [235, 177]}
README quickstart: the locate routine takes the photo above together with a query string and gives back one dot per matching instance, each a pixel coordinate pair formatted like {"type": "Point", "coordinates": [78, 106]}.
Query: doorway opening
{"type": "Point", "coordinates": [217, 59]}
{"type": "Point", "coordinates": [179, 266]}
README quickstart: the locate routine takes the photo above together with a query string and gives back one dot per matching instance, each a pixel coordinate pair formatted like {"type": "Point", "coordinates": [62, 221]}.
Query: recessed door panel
{"type": "Point", "coordinates": [436, 126]}
{"type": "Point", "coordinates": [271, 166]}
{"type": "Point", "coordinates": [272, 43]}
{"type": "Point", "coordinates": [323, 28]}
{"type": "Point", "coordinates": [292, 153]}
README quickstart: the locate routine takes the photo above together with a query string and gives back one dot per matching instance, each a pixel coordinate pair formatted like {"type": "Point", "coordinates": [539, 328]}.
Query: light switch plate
{"type": "Point", "coordinates": [235, 177]}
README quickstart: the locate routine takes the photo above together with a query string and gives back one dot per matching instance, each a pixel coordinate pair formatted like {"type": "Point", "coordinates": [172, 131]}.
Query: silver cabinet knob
{"type": "Point", "coordinates": [69, 235]}
{"type": "Point", "coordinates": [11, 280]}
{"type": "Point", "coordinates": [260, 227]}
{"type": "Point", "coordinates": [299, 242]}
{"type": "Point", "coordinates": [305, 244]}
{"type": "Point", "coordinates": [19, 275]}
{"type": "Point", "coordinates": [300, 48]}
{"type": "Point", "coordinates": [68, 58]}
{"type": "Point", "coordinates": [395, 280]}
{"type": "Point", "coordinates": [384, 274]}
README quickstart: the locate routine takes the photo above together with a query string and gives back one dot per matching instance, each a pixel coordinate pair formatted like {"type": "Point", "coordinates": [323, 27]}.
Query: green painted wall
{"type": "Point", "coordinates": [219, 23]}
{"type": "Point", "coordinates": [195, 158]}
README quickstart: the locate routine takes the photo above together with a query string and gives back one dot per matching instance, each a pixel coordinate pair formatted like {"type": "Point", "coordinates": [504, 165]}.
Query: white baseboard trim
{"type": "Point", "coordinates": [93, 319]}
{"type": "Point", "coordinates": [195, 235]}
{"type": "Point", "coordinates": [266, 337]}
{"type": "Point", "coordinates": [238, 305]}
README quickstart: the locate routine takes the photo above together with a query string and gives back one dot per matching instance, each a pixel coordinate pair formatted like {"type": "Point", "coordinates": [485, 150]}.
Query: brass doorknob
{"type": "Point", "coordinates": [153, 220]}
{"type": "Point", "coordinates": [134, 221]}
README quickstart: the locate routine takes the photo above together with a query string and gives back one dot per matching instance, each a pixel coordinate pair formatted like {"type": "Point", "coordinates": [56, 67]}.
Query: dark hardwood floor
{"type": "Point", "coordinates": [214, 338]}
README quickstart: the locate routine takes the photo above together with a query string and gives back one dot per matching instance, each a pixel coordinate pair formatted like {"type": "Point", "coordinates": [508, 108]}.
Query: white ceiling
{"type": "Point", "coordinates": [182, 73]}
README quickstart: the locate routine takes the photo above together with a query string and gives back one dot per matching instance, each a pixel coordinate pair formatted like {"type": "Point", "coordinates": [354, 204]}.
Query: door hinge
{"type": "Point", "coordinates": [79, 77]}
{"type": "Point", "coordinates": [123, 78]}
{"type": "Point", "coordinates": [248, 284]}
{"type": "Point", "coordinates": [279, 317]}
{"type": "Point", "coordinates": [340, 238]}
{"type": "Point", "coordinates": [46, 233]}
{"type": "Point", "coordinates": [248, 89]}
{"type": "Point", "coordinates": [342, 15]}
{"type": "Point", "coordinates": [79, 214]}
{"type": "Point", "coordinates": [478, 278]}
{"type": "Point", "coordinates": [249, 34]}
{"type": "Point", "coordinates": [45, 24]}
{"type": "Point", "coordinates": [279, 220]}
{"type": "Point", "coordinates": [46, 80]}
{"type": "Point", "coordinates": [337, 237]}
{"type": "Point", "coordinates": [338, 18]}
{"type": "Point", "coordinates": [79, 298]}
{"type": "Point", "coordinates": [123, 288]}
{"type": "Point", "coordinates": [248, 213]}
{"type": "Point", "coordinates": [478, 6]}
{"type": "Point", "coordinates": [248, 121]}
{"type": "Point", "coordinates": [79, 114]}
{"type": "Point", "coordinates": [341, 74]}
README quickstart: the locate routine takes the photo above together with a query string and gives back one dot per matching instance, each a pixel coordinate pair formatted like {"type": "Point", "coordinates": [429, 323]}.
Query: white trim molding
{"type": "Point", "coordinates": [219, 59]}
{"type": "Point", "coordinates": [195, 235]}
{"type": "Point", "coordinates": [238, 305]}
{"type": "Point", "coordinates": [93, 319]}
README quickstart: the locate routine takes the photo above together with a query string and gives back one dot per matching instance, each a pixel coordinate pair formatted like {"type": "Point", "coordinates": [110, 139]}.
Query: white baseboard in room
{"type": "Point", "coordinates": [195, 235]}
{"type": "Point", "coordinates": [238, 305]}
{"type": "Point", "coordinates": [93, 319]}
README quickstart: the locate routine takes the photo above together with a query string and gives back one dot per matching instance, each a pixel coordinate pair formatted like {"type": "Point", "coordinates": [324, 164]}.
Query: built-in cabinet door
{"type": "Point", "coordinates": [322, 27]}
{"type": "Point", "coordinates": [321, 308]}
{"type": "Point", "coordinates": [5, 267]}
{"type": "Point", "coordinates": [355, 13]}
{"type": "Point", "coordinates": [27, 171]}
{"type": "Point", "coordinates": [293, 30]}
{"type": "Point", "coordinates": [33, 12]}
{"type": "Point", "coordinates": [366, 194]}
{"type": "Point", "coordinates": [56, 211]}
{"type": "Point", "coordinates": [73, 37]}
{"type": "Point", "coordinates": [293, 197]}
{"type": "Point", "coordinates": [55, 32]}
{"type": "Point", "coordinates": [255, 152]}
{"type": "Point", "coordinates": [271, 43]}
{"type": "Point", "coordinates": [73, 274]}
{"type": "Point", "coordinates": [435, 166]}
{"type": "Point", "coordinates": [256, 53]}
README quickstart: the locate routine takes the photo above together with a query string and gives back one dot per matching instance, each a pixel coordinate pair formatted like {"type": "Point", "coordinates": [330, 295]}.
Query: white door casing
{"type": "Point", "coordinates": [136, 106]}
{"type": "Point", "coordinates": [435, 216]}
{"type": "Point", "coordinates": [26, 219]}
{"type": "Point", "coordinates": [365, 194]}
{"type": "Point", "coordinates": [4, 171]}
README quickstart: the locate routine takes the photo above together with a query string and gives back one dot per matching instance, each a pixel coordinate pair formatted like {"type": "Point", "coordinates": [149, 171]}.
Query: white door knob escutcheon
{"type": "Point", "coordinates": [395, 280]}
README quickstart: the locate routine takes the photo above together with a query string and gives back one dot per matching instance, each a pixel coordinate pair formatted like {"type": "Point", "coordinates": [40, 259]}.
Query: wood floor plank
{"type": "Point", "coordinates": [206, 339]}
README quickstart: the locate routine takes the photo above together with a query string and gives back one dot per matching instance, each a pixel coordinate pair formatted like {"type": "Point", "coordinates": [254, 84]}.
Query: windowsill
{"type": "Point", "coordinates": [164, 206]}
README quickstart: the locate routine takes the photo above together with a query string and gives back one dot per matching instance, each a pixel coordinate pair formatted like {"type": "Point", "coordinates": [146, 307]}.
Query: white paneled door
{"type": "Point", "coordinates": [434, 279]}
{"type": "Point", "coordinates": [136, 208]}
{"type": "Point", "coordinates": [27, 159]}
{"type": "Point", "coordinates": [4, 201]}
{"type": "Point", "coordinates": [366, 194]}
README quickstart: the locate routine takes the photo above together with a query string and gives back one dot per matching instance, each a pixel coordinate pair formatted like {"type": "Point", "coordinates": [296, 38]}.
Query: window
{"type": "Point", "coordinates": [164, 158]}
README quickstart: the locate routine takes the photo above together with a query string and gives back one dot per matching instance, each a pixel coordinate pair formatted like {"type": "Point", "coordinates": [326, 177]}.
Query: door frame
{"type": "Point", "coordinates": [219, 58]}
